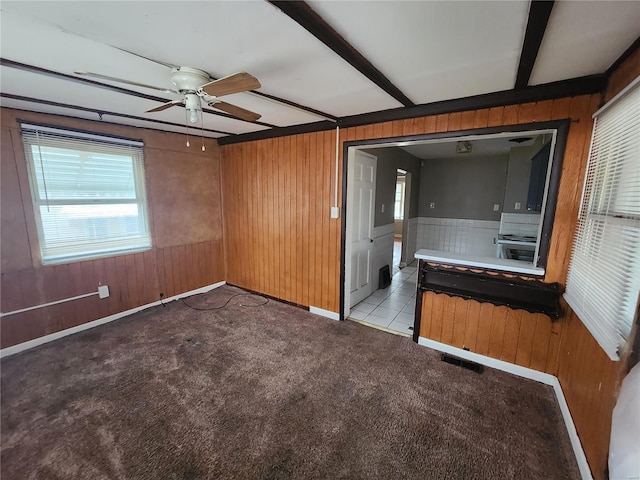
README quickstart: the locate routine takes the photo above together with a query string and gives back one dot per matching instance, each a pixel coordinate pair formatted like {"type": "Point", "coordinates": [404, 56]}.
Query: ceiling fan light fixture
{"type": "Point", "coordinates": [193, 106]}
{"type": "Point", "coordinates": [193, 116]}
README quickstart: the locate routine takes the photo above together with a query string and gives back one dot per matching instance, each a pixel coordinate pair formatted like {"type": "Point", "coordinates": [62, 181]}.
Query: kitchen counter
{"type": "Point", "coordinates": [500, 264]}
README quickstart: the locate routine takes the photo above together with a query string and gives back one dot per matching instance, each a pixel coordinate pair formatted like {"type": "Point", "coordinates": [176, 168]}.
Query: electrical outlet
{"type": "Point", "coordinates": [517, 206]}
{"type": "Point", "coordinates": [496, 207]}
{"type": "Point", "coordinates": [103, 291]}
{"type": "Point", "coordinates": [432, 205]}
{"type": "Point", "coordinates": [382, 208]}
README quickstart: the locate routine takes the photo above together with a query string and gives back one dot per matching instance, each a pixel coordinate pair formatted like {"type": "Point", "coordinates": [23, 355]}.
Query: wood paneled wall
{"type": "Point", "coordinates": [279, 237]}
{"type": "Point", "coordinates": [515, 336]}
{"type": "Point", "coordinates": [590, 382]}
{"type": "Point", "coordinates": [183, 194]}
{"type": "Point", "coordinates": [133, 280]}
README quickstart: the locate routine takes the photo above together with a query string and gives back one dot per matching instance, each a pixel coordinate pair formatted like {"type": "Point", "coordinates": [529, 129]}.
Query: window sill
{"type": "Point", "coordinates": [80, 258]}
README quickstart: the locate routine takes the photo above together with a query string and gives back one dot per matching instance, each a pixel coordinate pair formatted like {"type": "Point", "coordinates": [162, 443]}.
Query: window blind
{"type": "Point", "coordinates": [88, 193]}
{"type": "Point", "coordinates": [604, 273]}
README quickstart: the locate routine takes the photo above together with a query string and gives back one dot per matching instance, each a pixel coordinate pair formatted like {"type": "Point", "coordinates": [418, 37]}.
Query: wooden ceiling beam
{"type": "Point", "coordinates": [307, 18]}
{"type": "Point", "coordinates": [539, 14]}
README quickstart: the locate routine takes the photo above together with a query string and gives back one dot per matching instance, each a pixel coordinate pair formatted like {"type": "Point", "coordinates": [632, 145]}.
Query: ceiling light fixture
{"type": "Point", "coordinates": [520, 139]}
{"type": "Point", "coordinates": [463, 147]}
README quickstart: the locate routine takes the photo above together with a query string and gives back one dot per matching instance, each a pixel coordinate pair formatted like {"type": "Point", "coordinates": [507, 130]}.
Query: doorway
{"type": "Point", "coordinates": [361, 188]}
{"type": "Point", "coordinates": [401, 219]}
{"type": "Point", "coordinates": [369, 244]}
{"type": "Point", "coordinates": [431, 226]}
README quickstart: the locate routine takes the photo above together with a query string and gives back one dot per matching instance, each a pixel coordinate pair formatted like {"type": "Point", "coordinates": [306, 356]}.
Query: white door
{"type": "Point", "coordinates": [405, 256]}
{"type": "Point", "coordinates": [361, 187]}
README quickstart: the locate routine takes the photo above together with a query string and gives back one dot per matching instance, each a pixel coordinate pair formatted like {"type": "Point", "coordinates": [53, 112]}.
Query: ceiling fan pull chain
{"type": "Point", "coordinates": [202, 129]}
{"type": "Point", "coordinates": [186, 124]}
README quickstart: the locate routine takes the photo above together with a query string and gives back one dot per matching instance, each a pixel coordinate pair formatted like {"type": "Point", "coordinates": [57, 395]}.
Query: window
{"type": "Point", "coordinates": [88, 193]}
{"type": "Point", "coordinates": [398, 211]}
{"type": "Point", "coordinates": [604, 273]}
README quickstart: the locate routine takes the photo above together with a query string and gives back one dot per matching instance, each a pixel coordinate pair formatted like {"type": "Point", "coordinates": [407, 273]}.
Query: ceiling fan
{"type": "Point", "coordinates": [194, 85]}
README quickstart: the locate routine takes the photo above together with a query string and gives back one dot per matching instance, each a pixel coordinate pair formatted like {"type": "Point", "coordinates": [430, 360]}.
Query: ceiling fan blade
{"type": "Point", "coordinates": [236, 83]}
{"type": "Point", "coordinates": [121, 80]}
{"type": "Point", "coordinates": [236, 111]}
{"type": "Point", "coordinates": [164, 106]}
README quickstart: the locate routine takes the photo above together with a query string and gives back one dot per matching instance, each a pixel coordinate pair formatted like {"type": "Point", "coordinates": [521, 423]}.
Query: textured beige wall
{"type": "Point", "coordinates": [183, 187]}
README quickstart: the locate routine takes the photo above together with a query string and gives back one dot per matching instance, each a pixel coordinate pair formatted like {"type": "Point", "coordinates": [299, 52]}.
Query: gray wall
{"type": "Point", "coordinates": [389, 159]}
{"type": "Point", "coordinates": [463, 187]}
{"type": "Point", "coordinates": [519, 170]}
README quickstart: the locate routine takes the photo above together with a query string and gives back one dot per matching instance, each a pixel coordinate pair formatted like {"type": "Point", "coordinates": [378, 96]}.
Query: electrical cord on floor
{"type": "Point", "coordinates": [266, 300]}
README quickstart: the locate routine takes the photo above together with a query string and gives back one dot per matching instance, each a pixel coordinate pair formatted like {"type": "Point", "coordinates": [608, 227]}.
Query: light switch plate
{"type": "Point", "coordinates": [517, 206]}
{"type": "Point", "coordinates": [496, 207]}
{"type": "Point", "coordinates": [335, 212]}
{"type": "Point", "coordinates": [382, 208]}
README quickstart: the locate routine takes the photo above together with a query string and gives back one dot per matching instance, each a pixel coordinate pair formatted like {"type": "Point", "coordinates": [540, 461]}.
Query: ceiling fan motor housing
{"type": "Point", "coordinates": [188, 80]}
{"type": "Point", "coordinates": [192, 102]}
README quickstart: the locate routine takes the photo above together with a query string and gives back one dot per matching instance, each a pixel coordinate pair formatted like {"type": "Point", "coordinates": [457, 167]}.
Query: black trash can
{"type": "Point", "coordinates": [384, 277]}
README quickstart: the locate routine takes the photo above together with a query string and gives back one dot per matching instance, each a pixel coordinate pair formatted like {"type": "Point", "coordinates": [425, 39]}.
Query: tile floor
{"type": "Point", "coordinates": [391, 308]}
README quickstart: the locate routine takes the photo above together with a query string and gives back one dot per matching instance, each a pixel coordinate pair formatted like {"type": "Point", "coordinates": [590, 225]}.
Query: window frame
{"type": "Point", "coordinates": [85, 139]}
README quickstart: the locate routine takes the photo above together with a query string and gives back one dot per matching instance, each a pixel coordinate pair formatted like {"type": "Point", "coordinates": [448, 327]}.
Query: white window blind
{"type": "Point", "coordinates": [88, 193]}
{"type": "Point", "coordinates": [604, 273]}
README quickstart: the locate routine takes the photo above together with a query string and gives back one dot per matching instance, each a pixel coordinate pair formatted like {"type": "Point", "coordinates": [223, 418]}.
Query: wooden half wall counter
{"type": "Point", "coordinates": [184, 200]}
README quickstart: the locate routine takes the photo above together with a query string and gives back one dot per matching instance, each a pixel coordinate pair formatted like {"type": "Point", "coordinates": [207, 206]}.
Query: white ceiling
{"type": "Point", "coordinates": [431, 51]}
{"type": "Point", "coordinates": [584, 38]}
{"type": "Point", "coordinates": [435, 50]}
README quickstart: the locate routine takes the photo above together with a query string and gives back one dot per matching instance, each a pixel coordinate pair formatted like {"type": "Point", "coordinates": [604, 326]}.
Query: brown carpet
{"type": "Point", "coordinates": [267, 392]}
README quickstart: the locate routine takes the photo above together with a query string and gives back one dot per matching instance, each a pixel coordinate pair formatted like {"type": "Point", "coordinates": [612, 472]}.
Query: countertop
{"type": "Point", "coordinates": [502, 264]}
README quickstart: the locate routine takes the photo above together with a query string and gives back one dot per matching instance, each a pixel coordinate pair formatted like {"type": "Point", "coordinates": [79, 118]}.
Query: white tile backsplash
{"type": "Point", "coordinates": [467, 237]}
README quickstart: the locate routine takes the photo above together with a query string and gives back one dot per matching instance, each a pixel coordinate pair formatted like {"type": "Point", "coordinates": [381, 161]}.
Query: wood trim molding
{"type": "Point", "coordinates": [100, 113]}
{"type": "Point", "coordinates": [565, 88]}
{"type": "Point", "coordinates": [622, 58]}
{"type": "Point", "coordinates": [307, 18]}
{"type": "Point", "coordinates": [539, 14]}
